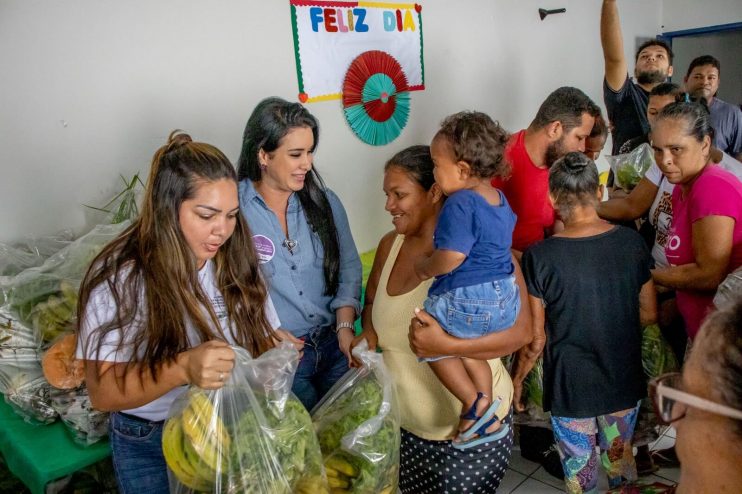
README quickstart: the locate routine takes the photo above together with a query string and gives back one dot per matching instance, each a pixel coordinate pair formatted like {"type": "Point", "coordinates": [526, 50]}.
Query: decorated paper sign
{"type": "Point", "coordinates": [330, 36]}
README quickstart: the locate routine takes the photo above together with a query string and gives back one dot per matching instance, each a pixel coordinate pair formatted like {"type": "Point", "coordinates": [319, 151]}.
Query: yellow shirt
{"type": "Point", "coordinates": [426, 407]}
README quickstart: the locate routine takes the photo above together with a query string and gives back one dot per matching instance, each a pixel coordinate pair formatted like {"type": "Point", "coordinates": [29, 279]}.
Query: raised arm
{"type": "Point", "coordinates": [611, 39]}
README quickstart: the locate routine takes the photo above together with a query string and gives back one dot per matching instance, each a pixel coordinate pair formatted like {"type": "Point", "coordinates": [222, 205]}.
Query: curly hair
{"type": "Point", "coordinates": [477, 140]}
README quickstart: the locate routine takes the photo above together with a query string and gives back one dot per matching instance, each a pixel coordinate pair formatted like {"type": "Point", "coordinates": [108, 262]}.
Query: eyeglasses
{"type": "Point", "coordinates": [671, 404]}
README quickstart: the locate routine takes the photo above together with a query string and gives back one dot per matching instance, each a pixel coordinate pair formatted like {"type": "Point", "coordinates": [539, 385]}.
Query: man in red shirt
{"type": "Point", "coordinates": [562, 124]}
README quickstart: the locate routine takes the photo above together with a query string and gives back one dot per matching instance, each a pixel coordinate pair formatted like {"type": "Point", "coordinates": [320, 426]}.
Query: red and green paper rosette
{"type": "Point", "coordinates": [376, 100]}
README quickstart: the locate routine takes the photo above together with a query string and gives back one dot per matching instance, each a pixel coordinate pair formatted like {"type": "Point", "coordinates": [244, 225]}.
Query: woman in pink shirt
{"type": "Point", "coordinates": [705, 238]}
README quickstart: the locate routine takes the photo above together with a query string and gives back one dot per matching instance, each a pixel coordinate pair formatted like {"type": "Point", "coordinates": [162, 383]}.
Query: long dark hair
{"type": "Point", "coordinates": [268, 124]}
{"type": "Point", "coordinates": [152, 273]}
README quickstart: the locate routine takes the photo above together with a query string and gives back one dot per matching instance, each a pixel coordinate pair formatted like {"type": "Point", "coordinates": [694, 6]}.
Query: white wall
{"type": "Point", "coordinates": [678, 15]}
{"type": "Point", "coordinates": [90, 88]}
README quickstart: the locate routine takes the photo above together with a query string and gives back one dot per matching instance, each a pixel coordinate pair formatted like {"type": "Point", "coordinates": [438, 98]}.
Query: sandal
{"type": "Point", "coordinates": [471, 414]}
{"type": "Point", "coordinates": [480, 427]}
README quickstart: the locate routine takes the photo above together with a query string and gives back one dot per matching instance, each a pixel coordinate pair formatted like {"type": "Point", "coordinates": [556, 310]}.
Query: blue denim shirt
{"type": "Point", "coordinates": [296, 281]}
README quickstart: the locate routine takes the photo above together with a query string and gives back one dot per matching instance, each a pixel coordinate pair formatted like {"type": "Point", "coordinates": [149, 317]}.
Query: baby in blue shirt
{"type": "Point", "coordinates": [474, 292]}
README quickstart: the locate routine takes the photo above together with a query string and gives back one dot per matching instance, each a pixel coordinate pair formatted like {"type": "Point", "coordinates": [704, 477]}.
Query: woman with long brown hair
{"type": "Point", "coordinates": [161, 304]}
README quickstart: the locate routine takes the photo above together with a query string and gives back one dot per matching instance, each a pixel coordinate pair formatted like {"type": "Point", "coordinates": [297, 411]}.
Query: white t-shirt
{"type": "Point", "coordinates": [731, 165]}
{"type": "Point", "coordinates": [660, 214]}
{"type": "Point", "coordinates": [101, 309]}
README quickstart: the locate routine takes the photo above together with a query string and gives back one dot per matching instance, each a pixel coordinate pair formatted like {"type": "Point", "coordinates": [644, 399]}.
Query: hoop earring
{"type": "Point", "coordinates": [263, 167]}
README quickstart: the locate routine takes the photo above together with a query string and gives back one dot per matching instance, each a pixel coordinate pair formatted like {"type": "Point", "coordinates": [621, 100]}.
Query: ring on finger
{"type": "Point", "coordinates": [221, 377]}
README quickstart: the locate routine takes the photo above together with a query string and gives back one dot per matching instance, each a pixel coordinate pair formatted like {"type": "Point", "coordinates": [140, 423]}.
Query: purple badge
{"type": "Point", "coordinates": [264, 247]}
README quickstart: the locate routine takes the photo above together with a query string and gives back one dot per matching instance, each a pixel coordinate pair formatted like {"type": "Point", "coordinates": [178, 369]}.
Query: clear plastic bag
{"type": "Point", "coordinates": [729, 290]}
{"type": "Point", "coordinates": [533, 390]}
{"type": "Point", "coordinates": [250, 436]}
{"type": "Point", "coordinates": [629, 169]}
{"type": "Point", "coordinates": [86, 425]}
{"type": "Point", "coordinates": [357, 424]}
{"type": "Point", "coordinates": [31, 252]}
{"type": "Point", "coordinates": [23, 384]}
{"type": "Point", "coordinates": [45, 297]}
{"type": "Point", "coordinates": [657, 355]}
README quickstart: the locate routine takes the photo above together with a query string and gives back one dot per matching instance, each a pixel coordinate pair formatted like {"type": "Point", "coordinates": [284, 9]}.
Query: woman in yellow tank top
{"type": "Point", "coordinates": [429, 413]}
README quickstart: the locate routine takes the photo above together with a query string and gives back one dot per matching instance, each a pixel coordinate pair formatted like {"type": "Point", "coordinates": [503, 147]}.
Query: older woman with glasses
{"type": "Point", "coordinates": [705, 405]}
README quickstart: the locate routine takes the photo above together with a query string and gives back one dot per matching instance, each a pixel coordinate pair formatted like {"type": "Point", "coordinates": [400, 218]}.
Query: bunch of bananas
{"type": "Point", "coordinates": [56, 314]}
{"type": "Point", "coordinates": [341, 474]}
{"type": "Point", "coordinates": [196, 444]}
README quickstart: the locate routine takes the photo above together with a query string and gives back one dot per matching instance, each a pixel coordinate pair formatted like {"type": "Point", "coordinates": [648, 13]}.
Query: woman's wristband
{"type": "Point", "coordinates": [344, 324]}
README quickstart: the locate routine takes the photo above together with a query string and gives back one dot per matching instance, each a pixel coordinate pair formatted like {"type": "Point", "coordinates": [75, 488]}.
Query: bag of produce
{"type": "Point", "coordinates": [31, 252]}
{"type": "Point", "coordinates": [357, 424]}
{"type": "Point", "coordinates": [657, 355]}
{"type": "Point", "coordinates": [250, 436]}
{"type": "Point", "coordinates": [628, 169]}
{"type": "Point", "coordinates": [45, 297]}
{"type": "Point", "coordinates": [533, 391]}
{"type": "Point", "coordinates": [86, 425]}
{"type": "Point", "coordinates": [23, 384]}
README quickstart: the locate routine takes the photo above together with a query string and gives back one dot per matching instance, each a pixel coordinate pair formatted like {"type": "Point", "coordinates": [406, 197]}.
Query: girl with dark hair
{"type": "Point", "coordinates": [428, 412]}
{"type": "Point", "coordinates": [160, 305]}
{"type": "Point", "coordinates": [590, 293]}
{"type": "Point", "coordinates": [301, 233]}
{"type": "Point", "coordinates": [705, 238]}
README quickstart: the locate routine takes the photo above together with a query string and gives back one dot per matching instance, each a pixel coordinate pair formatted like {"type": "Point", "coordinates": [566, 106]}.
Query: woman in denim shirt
{"type": "Point", "coordinates": [301, 233]}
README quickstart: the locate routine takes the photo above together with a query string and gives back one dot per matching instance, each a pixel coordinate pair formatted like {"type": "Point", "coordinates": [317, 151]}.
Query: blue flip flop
{"type": "Point", "coordinates": [480, 427]}
{"type": "Point", "coordinates": [485, 438]}
{"type": "Point", "coordinates": [471, 414]}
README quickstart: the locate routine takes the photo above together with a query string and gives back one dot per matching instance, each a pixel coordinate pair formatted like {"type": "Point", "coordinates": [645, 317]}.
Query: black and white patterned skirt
{"type": "Point", "coordinates": [436, 467]}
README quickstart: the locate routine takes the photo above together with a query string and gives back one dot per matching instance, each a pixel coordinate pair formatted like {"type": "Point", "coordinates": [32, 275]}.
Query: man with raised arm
{"type": "Point", "coordinates": [626, 100]}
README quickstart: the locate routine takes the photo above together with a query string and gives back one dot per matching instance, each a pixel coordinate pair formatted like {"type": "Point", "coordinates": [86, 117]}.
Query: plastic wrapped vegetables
{"type": "Point", "coordinates": [629, 168]}
{"type": "Point", "coordinates": [45, 297]}
{"type": "Point", "coordinates": [533, 390]}
{"type": "Point", "coordinates": [657, 356]}
{"type": "Point", "coordinates": [358, 428]}
{"type": "Point", "coordinates": [250, 436]}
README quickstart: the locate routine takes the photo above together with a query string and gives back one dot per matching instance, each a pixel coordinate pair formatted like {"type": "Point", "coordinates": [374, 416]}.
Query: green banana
{"type": "Point", "coordinates": [172, 449]}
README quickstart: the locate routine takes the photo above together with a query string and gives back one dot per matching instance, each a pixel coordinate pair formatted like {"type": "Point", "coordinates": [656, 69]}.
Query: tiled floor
{"type": "Point", "coordinates": [527, 477]}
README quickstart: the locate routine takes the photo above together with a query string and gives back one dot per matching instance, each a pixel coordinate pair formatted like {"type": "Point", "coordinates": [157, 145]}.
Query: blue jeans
{"type": "Point", "coordinates": [476, 310]}
{"type": "Point", "coordinates": [321, 366]}
{"type": "Point", "coordinates": [136, 446]}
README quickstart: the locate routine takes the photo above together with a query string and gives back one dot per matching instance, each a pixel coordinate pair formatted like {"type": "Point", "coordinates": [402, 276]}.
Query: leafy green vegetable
{"type": "Point", "coordinates": [657, 356]}
{"type": "Point", "coordinates": [371, 456]}
{"type": "Point", "coordinates": [294, 453]}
